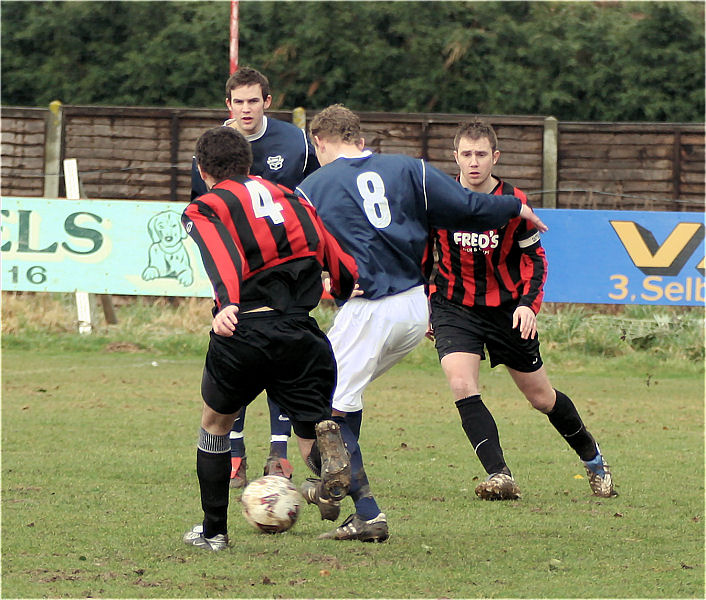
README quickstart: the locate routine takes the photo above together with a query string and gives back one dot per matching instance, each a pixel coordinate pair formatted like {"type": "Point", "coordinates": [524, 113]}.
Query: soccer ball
{"type": "Point", "coordinates": [271, 504]}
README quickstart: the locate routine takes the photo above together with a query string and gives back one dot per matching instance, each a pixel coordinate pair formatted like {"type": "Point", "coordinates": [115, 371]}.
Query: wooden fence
{"type": "Point", "coordinates": [145, 154]}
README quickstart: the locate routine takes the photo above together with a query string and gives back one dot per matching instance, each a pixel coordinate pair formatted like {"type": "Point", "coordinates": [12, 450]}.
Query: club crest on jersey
{"type": "Point", "coordinates": [476, 242]}
{"type": "Point", "coordinates": [275, 162]}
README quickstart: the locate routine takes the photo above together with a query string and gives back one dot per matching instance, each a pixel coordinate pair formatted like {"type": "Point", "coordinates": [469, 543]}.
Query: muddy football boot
{"type": "Point", "coordinates": [355, 528]}
{"type": "Point", "coordinates": [498, 486]}
{"type": "Point", "coordinates": [335, 460]}
{"type": "Point", "coordinates": [312, 490]}
{"type": "Point", "coordinates": [278, 466]}
{"type": "Point", "coordinates": [238, 466]}
{"type": "Point", "coordinates": [599, 476]}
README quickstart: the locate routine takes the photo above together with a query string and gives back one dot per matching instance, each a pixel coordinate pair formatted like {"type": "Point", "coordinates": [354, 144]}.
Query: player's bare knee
{"type": "Point", "coordinates": [461, 387]}
{"type": "Point", "coordinates": [541, 401]}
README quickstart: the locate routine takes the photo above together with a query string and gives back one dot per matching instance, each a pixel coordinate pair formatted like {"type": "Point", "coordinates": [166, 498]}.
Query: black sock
{"type": "Point", "coordinates": [568, 423]}
{"type": "Point", "coordinates": [482, 432]}
{"type": "Point", "coordinates": [313, 461]}
{"type": "Point", "coordinates": [213, 471]}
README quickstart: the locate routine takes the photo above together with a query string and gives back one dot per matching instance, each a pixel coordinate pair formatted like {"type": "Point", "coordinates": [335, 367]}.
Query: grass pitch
{"type": "Point", "coordinates": [98, 483]}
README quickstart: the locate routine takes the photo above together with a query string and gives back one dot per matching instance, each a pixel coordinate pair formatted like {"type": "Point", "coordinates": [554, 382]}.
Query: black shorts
{"type": "Point", "coordinates": [289, 357]}
{"type": "Point", "coordinates": [459, 328]}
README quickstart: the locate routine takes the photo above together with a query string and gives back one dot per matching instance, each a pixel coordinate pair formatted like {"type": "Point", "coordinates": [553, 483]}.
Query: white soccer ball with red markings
{"type": "Point", "coordinates": [271, 504]}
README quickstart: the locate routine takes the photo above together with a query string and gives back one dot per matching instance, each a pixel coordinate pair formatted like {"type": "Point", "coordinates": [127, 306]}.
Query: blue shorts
{"type": "Point", "coordinates": [460, 328]}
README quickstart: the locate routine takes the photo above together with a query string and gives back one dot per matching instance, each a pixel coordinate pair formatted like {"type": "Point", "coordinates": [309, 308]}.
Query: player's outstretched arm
{"type": "Point", "coordinates": [450, 206]}
{"type": "Point", "coordinates": [341, 266]}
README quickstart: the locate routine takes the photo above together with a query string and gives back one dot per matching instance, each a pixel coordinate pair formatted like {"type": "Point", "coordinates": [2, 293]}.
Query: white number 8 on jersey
{"type": "Point", "coordinates": [372, 190]}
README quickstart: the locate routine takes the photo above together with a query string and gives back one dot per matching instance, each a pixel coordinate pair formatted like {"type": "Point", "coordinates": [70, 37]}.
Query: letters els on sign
{"type": "Point", "coordinates": [103, 247]}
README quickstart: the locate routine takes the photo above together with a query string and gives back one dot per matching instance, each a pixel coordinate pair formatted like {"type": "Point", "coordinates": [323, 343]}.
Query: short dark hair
{"type": "Point", "coordinates": [338, 122]}
{"type": "Point", "coordinates": [247, 76]}
{"type": "Point", "coordinates": [475, 130]}
{"type": "Point", "coordinates": [223, 153]}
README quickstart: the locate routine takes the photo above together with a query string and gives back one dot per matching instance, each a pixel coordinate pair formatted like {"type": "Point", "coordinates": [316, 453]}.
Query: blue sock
{"type": "Point", "coordinates": [355, 420]}
{"type": "Point", "coordinates": [237, 442]}
{"type": "Point", "coordinates": [280, 430]}
{"type": "Point", "coordinates": [365, 504]}
{"type": "Point", "coordinates": [278, 448]}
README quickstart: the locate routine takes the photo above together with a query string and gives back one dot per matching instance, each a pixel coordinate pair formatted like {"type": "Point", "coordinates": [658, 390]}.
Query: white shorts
{"type": "Point", "coordinates": [370, 336]}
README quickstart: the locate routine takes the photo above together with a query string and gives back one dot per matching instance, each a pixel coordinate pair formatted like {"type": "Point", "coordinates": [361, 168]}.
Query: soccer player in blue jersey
{"type": "Point", "coordinates": [381, 209]}
{"type": "Point", "coordinates": [282, 154]}
{"type": "Point", "coordinates": [281, 151]}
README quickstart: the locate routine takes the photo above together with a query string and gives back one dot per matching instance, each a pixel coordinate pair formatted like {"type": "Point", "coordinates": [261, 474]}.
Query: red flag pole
{"type": "Point", "coordinates": [233, 36]}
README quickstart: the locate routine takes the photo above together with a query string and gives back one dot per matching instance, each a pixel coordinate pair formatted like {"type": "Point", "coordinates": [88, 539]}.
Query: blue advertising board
{"type": "Point", "coordinates": [624, 257]}
{"type": "Point", "coordinates": [140, 248]}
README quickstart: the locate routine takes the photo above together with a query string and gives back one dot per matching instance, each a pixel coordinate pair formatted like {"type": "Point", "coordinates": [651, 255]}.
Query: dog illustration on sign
{"type": "Point", "coordinates": [167, 255]}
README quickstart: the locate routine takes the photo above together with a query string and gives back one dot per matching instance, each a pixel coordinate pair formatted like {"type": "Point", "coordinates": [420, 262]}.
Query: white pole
{"type": "Point", "coordinates": [83, 300]}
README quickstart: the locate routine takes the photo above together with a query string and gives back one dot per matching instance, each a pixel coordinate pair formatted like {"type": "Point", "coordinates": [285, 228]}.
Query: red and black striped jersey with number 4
{"type": "Point", "coordinates": [261, 245]}
{"type": "Point", "coordinates": [497, 267]}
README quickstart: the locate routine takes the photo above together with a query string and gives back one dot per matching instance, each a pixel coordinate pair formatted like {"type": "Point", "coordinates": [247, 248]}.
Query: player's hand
{"type": "Point", "coordinates": [526, 320]}
{"type": "Point", "coordinates": [225, 321]}
{"type": "Point", "coordinates": [429, 334]}
{"type": "Point", "coordinates": [527, 213]}
{"type": "Point", "coordinates": [326, 280]}
{"type": "Point", "coordinates": [356, 288]}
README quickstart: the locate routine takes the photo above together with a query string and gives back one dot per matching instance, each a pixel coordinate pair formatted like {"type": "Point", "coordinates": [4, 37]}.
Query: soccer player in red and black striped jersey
{"type": "Point", "coordinates": [281, 154]}
{"type": "Point", "coordinates": [489, 288]}
{"type": "Point", "coordinates": [264, 250]}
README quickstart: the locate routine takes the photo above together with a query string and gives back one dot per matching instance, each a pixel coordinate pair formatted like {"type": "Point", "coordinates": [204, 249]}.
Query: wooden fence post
{"type": "Point", "coordinates": [550, 155]}
{"type": "Point", "coordinates": [174, 158]}
{"type": "Point", "coordinates": [299, 117]}
{"type": "Point", "coordinates": [52, 150]}
{"type": "Point", "coordinates": [676, 164]}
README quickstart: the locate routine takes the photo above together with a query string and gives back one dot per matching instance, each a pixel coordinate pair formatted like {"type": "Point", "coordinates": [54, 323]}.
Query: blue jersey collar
{"type": "Point", "coordinates": [363, 154]}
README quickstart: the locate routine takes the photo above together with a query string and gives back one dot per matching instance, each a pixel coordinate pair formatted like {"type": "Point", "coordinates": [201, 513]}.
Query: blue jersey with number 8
{"type": "Point", "coordinates": [381, 207]}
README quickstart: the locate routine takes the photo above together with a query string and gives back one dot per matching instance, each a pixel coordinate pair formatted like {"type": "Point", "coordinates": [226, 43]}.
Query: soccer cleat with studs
{"type": "Point", "coordinates": [312, 491]}
{"type": "Point", "coordinates": [238, 467]}
{"type": "Point", "coordinates": [195, 537]}
{"type": "Point", "coordinates": [278, 466]}
{"type": "Point", "coordinates": [335, 460]}
{"type": "Point", "coordinates": [599, 476]}
{"type": "Point", "coordinates": [355, 528]}
{"type": "Point", "coordinates": [498, 486]}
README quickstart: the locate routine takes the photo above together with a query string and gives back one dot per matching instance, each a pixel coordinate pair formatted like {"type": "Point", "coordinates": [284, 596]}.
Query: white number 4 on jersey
{"type": "Point", "coordinates": [262, 203]}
